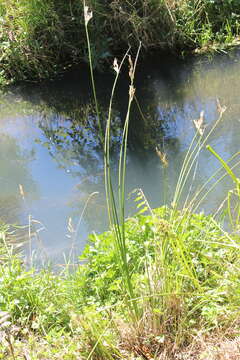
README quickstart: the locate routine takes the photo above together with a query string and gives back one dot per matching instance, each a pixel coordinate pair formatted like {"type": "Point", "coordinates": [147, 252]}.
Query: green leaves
{"type": "Point", "coordinates": [86, 302]}
{"type": "Point", "coordinates": [38, 39]}
{"type": "Point", "coordinates": [233, 198]}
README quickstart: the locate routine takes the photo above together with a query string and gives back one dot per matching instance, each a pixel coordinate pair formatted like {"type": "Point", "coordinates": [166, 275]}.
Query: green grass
{"type": "Point", "coordinates": [147, 287]}
{"type": "Point", "coordinates": [40, 39]}
{"type": "Point", "coordinates": [83, 314]}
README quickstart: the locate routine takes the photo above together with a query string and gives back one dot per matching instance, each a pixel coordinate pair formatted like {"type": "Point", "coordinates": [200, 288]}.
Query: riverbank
{"type": "Point", "coordinates": [40, 39]}
{"type": "Point", "coordinates": [185, 274]}
{"type": "Point", "coordinates": [154, 287]}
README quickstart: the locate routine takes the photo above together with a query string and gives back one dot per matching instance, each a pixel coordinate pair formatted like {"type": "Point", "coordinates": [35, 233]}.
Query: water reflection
{"type": "Point", "coordinates": [50, 142]}
{"type": "Point", "coordinates": [16, 182]}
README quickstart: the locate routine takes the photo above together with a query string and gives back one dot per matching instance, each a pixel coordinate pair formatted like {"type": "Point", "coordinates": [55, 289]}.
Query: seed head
{"type": "Point", "coordinates": [115, 65]}
{"type": "Point", "coordinates": [131, 92]}
{"type": "Point", "coordinates": [199, 123]}
{"type": "Point", "coordinates": [131, 68]}
{"type": "Point", "coordinates": [162, 156]}
{"type": "Point", "coordinates": [21, 191]}
{"type": "Point", "coordinates": [87, 14]}
{"type": "Point", "coordinates": [221, 109]}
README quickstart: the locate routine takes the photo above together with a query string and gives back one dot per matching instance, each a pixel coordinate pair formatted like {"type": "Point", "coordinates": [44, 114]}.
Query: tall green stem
{"type": "Point", "coordinates": [87, 18]}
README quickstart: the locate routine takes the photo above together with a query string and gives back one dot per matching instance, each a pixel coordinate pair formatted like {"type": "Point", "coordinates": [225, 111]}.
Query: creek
{"type": "Point", "coordinates": [51, 159]}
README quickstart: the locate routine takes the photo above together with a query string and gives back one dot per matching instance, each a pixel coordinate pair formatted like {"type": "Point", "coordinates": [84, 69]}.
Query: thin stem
{"type": "Point", "coordinates": [92, 78]}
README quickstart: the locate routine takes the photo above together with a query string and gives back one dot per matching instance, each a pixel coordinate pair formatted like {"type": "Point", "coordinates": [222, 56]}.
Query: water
{"type": "Point", "coordinates": [51, 168]}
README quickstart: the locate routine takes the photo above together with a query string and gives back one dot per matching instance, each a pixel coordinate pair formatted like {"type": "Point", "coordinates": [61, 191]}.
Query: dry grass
{"type": "Point", "coordinates": [138, 341]}
{"type": "Point", "coordinates": [216, 347]}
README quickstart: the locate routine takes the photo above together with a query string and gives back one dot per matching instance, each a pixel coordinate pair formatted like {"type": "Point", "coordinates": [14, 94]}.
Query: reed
{"type": "Point", "coordinates": [233, 196]}
{"type": "Point", "coordinates": [117, 212]}
{"type": "Point", "coordinates": [151, 284]}
{"type": "Point", "coordinates": [169, 266]}
{"type": "Point", "coordinates": [87, 17]}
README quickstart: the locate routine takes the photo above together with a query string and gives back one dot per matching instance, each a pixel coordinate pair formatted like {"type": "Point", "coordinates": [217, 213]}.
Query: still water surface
{"type": "Point", "coordinates": [51, 160]}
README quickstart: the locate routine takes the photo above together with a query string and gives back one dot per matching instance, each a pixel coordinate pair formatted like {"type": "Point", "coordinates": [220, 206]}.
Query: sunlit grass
{"type": "Point", "coordinates": [149, 286]}
{"type": "Point", "coordinates": [40, 39]}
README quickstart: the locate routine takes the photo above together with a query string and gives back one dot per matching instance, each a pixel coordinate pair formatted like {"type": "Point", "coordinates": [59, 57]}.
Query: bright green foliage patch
{"type": "Point", "coordinates": [207, 252]}
{"type": "Point", "coordinates": [37, 36]}
{"type": "Point", "coordinates": [185, 274]}
{"type": "Point", "coordinates": [33, 299]}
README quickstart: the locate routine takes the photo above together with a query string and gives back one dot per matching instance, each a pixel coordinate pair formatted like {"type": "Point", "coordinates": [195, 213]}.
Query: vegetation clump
{"type": "Point", "coordinates": [39, 39]}
{"type": "Point", "coordinates": [184, 273]}
{"type": "Point", "coordinates": [148, 288]}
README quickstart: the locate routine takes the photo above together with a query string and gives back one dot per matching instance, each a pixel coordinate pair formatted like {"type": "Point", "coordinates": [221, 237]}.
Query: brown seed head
{"type": "Point", "coordinates": [115, 65]}
{"type": "Point", "coordinates": [162, 156]}
{"type": "Point", "coordinates": [131, 68]}
{"type": "Point", "coordinates": [87, 14]}
{"type": "Point", "coordinates": [199, 123]}
{"type": "Point", "coordinates": [131, 92]}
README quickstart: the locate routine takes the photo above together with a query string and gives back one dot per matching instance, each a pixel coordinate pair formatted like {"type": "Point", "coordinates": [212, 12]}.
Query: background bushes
{"type": "Point", "coordinates": [40, 38]}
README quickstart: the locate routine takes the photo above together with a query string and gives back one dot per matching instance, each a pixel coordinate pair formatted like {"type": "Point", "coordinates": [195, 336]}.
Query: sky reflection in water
{"type": "Point", "coordinates": [49, 144]}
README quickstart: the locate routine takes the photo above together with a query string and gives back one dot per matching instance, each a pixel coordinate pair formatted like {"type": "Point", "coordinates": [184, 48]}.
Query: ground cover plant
{"type": "Point", "coordinates": [39, 39]}
{"type": "Point", "coordinates": [181, 293]}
